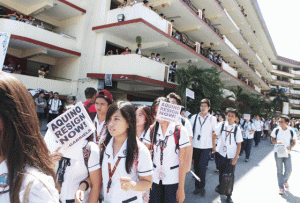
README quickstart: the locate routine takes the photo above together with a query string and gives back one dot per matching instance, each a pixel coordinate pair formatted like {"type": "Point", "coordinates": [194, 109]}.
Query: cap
{"type": "Point", "coordinates": [105, 94]}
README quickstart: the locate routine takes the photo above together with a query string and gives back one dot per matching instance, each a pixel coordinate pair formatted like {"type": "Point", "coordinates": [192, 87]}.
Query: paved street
{"type": "Point", "coordinates": [255, 181]}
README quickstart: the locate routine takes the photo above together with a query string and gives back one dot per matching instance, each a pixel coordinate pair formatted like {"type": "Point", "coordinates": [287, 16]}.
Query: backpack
{"type": "Point", "coordinates": [182, 122]}
{"type": "Point", "coordinates": [176, 135]}
{"type": "Point", "coordinates": [292, 135]}
{"type": "Point", "coordinates": [234, 132]}
{"type": "Point", "coordinates": [91, 114]}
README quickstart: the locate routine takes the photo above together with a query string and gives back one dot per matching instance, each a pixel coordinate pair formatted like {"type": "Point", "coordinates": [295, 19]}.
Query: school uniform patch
{"type": "Point", "coordinates": [4, 180]}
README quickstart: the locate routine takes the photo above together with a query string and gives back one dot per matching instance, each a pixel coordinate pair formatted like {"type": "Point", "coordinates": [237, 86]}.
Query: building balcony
{"type": "Point", "coordinates": [134, 64]}
{"type": "Point", "coordinates": [56, 9]}
{"type": "Point", "coordinates": [229, 69]}
{"type": "Point", "coordinates": [294, 112]}
{"type": "Point", "coordinates": [140, 11]}
{"type": "Point", "coordinates": [55, 84]}
{"type": "Point", "coordinates": [37, 40]}
{"type": "Point", "coordinates": [294, 101]}
{"type": "Point", "coordinates": [283, 73]}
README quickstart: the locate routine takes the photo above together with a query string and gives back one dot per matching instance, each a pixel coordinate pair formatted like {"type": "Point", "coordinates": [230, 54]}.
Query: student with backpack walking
{"type": "Point", "coordinates": [72, 173]}
{"type": "Point", "coordinates": [204, 127]}
{"type": "Point", "coordinates": [102, 102]}
{"type": "Point", "coordinates": [248, 129]}
{"type": "Point", "coordinates": [258, 130]}
{"type": "Point", "coordinates": [169, 143]}
{"type": "Point", "coordinates": [283, 136]}
{"type": "Point", "coordinates": [174, 98]}
{"type": "Point", "coordinates": [229, 146]}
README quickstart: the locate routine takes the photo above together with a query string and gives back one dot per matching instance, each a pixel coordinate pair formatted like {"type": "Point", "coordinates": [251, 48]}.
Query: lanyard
{"type": "Point", "coordinates": [111, 173]}
{"type": "Point", "coordinates": [163, 145]}
{"type": "Point", "coordinates": [101, 132]}
{"type": "Point", "coordinates": [228, 134]}
{"type": "Point", "coordinates": [201, 124]}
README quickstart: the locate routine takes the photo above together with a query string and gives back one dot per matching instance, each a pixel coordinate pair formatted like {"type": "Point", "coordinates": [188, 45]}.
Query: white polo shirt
{"type": "Point", "coordinates": [141, 167]}
{"type": "Point", "coordinates": [258, 124]}
{"type": "Point", "coordinates": [77, 172]}
{"type": "Point", "coordinates": [230, 143]}
{"type": "Point", "coordinates": [246, 130]}
{"type": "Point", "coordinates": [42, 190]}
{"type": "Point", "coordinates": [209, 126]}
{"type": "Point", "coordinates": [170, 165]}
{"type": "Point", "coordinates": [187, 125]}
{"type": "Point", "coordinates": [283, 136]}
{"type": "Point", "coordinates": [55, 104]}
{"type": "Point", "coordinates": [101, 131]}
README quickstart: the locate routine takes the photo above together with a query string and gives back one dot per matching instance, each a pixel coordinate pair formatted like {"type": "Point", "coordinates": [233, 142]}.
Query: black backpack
{"type": "Point", "coordinates": [234, 132]}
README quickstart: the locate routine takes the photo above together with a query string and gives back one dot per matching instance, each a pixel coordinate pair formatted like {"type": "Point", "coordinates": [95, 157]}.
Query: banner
{"type": "Point", "coordinates": [189, 93]}
{"type": "Point", "coordinates": [4, 40]}
{"type": "Point", "coordinates": [285, 108]}
{"type": "Point", "coordinates": [168, 112]}
{"type": "Point", "coordinates": [108, 80]}
{"type": "Point", "coordinates": [69, 130]}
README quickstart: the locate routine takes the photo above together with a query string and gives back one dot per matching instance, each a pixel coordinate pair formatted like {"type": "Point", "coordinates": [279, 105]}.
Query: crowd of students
{"type": "Point", "coordinates": [28, 20]}
{"type": "Point", "coordinates": [132, 156]}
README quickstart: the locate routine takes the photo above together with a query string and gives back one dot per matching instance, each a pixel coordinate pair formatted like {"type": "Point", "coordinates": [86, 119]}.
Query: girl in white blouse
{"type": "Point", "coordinates": [26, 174]}
{"type": "Point", "coordinates": [144, 119]}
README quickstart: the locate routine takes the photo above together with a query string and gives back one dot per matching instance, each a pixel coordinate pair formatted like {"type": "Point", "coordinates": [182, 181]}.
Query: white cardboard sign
{"type": "Point", "coordinates": [70, 129]}
{"type": "Point", "coordinates": [189, 93]}
{"type": "Point", "coordinates": [247, 116]}
{"type": "Point", "coordinates": [168, 112]}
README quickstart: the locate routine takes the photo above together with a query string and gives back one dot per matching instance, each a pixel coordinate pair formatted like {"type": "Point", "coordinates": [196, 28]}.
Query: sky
{"type": "Point", "coordinates": [282, 18]}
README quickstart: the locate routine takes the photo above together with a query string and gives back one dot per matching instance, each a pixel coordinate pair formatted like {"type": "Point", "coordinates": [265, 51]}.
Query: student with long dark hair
{"type": "Point", "coordinates": [170, 144]}
{"type": "Point", "coordinates": [144, 119]}
{"type": "Point", "coordinates": [125, 162]}
{"type": "Point", "coordinates": [25, 165]}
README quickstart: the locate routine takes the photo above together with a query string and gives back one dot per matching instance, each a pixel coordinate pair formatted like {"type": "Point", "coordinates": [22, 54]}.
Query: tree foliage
{"type": "Point", "coordinates": [205, 83]}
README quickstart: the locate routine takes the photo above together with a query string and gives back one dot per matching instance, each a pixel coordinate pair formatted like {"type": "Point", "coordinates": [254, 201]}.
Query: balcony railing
{"type": "Point", "coordinates": [139, 11]}
{"type": "Point", "coordinates": [55, 85]}
{"type": "Point", "coordinates": [184, 38]}
{"type": "Point", "coordinates": [230, 45]}
{"type": "Point", "coordinates": [294, 111]}
{"type": "Point", "coordinates": [229, 69]}
{"type": "Point", "coordinates": [134, 64]}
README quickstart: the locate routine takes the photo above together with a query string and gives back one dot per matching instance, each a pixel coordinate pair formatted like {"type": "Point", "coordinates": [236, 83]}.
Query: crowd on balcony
{"type": "Point", "coordinates": [12, 69]}
{"type": "Point", "coordinates": [243, 10]}
{"type": "Point", "coordinates": [25, 19]}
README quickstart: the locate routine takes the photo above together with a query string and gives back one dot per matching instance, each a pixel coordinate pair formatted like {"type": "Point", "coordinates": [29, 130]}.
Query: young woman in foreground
{"type": "Point", "coordinates": [26, 172]}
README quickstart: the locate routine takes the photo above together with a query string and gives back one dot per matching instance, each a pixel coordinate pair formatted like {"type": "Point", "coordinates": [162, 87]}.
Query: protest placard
{"type": "Point", "coordinates": [168, 112]}
{"type": "Point", "coordinates": [189, 93]}
{"type": "Point", "coordinates": [247, 116]}
{"type": "Point", "coordinates": [71, 128]}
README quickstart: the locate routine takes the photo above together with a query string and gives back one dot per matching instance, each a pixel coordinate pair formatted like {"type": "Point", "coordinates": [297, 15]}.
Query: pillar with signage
{"type": "Point", "coordinates": [4, 40]}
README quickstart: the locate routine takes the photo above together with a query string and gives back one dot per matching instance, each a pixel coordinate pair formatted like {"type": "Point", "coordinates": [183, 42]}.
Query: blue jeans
{"type": "Point", "coordinates": [283, 177]}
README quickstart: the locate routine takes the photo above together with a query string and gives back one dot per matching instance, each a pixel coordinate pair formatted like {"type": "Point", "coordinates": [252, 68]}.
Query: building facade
{"type": "Point", "coordinates": [79, 40]}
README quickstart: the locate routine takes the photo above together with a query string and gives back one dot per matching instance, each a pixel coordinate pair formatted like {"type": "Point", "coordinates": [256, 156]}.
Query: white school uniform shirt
{"type": "Point", "coordinates": [283, 136]}
{"type": "Point", "coordinates": [258, 124]}
{"type": "Point", "coordinates": [141, 167]}
{"type": "Point", "coordinates": [248, 126]}
{"type": "Point", "coordinates": [77, 172]}
{"type": "Point", "coordinates": [101, 132]}
{"type": "Point", "coordinates": [266, 125]}
{"type": "Point", "coordinates": [42, 190]}
{"type": "Point", "coordinates": [231, 146]}
{"type": "Point", "coordinates": [55, 104]}
{"type": "Point", "coordinates": [208, 127]}
{"type": "Point", "coordinates": [188, 126]}
{"type": "Point", "coordinates": [142, 136]}
{"type": "Point", "coordinates": [170, 165]}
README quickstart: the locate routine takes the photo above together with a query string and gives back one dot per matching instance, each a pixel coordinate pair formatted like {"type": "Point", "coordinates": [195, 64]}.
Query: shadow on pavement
{"type": "Point", "coordinates": [289, 197]}
{"type": "Point", "coordinates": [212, 178]}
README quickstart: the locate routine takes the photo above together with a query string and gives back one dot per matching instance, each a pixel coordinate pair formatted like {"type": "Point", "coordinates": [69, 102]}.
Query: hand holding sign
{"type": "Point", "coordinates": [69, 130]}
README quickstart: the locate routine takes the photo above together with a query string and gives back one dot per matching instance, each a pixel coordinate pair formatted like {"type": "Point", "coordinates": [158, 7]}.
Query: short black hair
{"type": "Point", "coordinates": [172, 20]}
{"type": "Point", "coordinates": [56, 93]}
{"type": "Point", "coordinates": [163, 58]}
{"type": "Point", "coordinates": [156, 102]}
{"type": "Point", "coordinates": [232, 110]}
{"type": "Point", "coordinates": [152, 53]}
{"type": "Point", "coordinates": [157, 54]}
{"type": "Point", "coordinates": [207, 101]}
{"type": "Point", "coordinates": [286, 118]}
{"type": "Point", "coordinates": [176, 97]}
{"type": "Point", "coordinates": [90, 92]}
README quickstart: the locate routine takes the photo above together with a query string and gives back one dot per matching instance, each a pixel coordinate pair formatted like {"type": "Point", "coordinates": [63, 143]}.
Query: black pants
{"type": "Point", "coordinates": [247, 145]}
{"type": "Point", "coordinates": [217, 155]}
{"type": "Point", "coordinates": [51, 117]}
{"type": "Point", "coordinates": [257, 136]}
{"type": "Point", "coordinates": [223, 164]}
{"type": "Point", "coordinates": [163, 193]}
{"type": "Point", "coordinates": [201, 158]}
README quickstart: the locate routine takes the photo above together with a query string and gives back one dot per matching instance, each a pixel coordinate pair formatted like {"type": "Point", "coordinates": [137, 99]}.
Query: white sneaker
{"type": "Point", "coordinates": [281, 191]}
